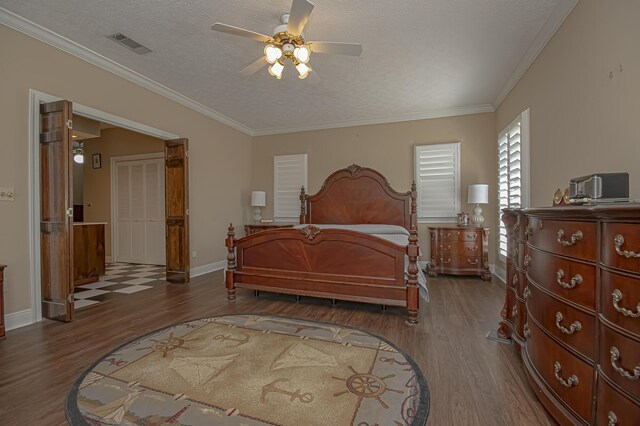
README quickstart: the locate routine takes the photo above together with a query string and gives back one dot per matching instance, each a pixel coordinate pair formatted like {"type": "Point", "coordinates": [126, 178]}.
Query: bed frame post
{"type": "Point", "coordinates": [414, 206]}
{"type": "Point", "coordinates": [231, 263]}
{"type": "Point", "coordinates": [303, 206]}
{"type": "Point", "coordinates": [413, 293]}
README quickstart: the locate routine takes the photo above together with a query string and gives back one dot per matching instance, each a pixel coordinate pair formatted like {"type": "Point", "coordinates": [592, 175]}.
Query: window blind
{"type": "Point", "coordinates": [289, 175]}
{"type": "Point", "coordinates": [512, 170]}
{"type": "Point", "coordinates": [437, 174]}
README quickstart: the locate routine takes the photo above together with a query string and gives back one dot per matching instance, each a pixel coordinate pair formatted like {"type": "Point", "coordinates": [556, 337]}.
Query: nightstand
{"type": "Point", "coordinates": [459, 250]}
{"type": "Point", "coordinates": [253, 228]}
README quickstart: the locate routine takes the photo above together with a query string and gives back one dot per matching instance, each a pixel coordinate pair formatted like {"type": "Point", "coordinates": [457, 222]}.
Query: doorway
{"type": "Point", "coordinates": [56, 295]}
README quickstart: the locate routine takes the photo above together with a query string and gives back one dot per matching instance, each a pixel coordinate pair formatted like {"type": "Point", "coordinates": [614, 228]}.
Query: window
{"type": "Point", "coordinates": [513, 170]}
{"type": "Point", "coordinates": [437, 174]}
{"type": "Point", "coordinates": [289, 174]}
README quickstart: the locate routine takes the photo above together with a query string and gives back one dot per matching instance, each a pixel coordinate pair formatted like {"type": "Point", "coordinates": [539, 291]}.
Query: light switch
{"type": "Point", "coordinates": [6, 194]}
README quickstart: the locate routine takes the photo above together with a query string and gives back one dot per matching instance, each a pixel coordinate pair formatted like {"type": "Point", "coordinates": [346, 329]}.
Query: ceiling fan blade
{"type": "Point", "coordinates": [254, 67]}
{"type": "Point", "coordinates": [352, 49]}
{"type": "Point", "coordinates": [230, 29]}
{"type": "Point", "coordinates": [299, 15]}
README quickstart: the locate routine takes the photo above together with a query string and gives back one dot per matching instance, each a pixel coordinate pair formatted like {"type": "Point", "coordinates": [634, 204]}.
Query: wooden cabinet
{"type": "Point", "coordinates": [459, 251]}
{"type": "Point", "coordinates": [88, 252]}
{"type": "Point", "coordinates": [253, 228]}
{"type": "Point", "coordinates": [580, 343]}
{"type": "Point", "coordinates": [2, 330]}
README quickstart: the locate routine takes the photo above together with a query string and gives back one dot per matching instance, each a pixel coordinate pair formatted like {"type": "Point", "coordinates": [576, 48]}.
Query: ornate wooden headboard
{"type": "Point", "coordinates": [359, 195]}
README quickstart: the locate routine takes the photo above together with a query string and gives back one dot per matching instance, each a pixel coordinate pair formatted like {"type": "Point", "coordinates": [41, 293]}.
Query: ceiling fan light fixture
{"type": "Point", "coordinates": [276, 70]}
{"type": "Point", "coordinates": [272, 53]}
{"type": "Point", "coordinates": [304, 70]}
{"type": "Point", "coordinates": [302, 54]}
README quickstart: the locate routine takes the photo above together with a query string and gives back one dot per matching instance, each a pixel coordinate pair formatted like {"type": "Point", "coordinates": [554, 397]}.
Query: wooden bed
{"type": "Point", "coordinates": [335, 263]}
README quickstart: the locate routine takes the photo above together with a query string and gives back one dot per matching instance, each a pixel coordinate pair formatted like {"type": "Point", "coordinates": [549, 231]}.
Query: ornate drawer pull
{"type": "Point", "coordinates": [473, 263]}
{"type": "Point", "coordinates": [613, 419]}
{"type": "Point", "coordinates": [617, 297]}
{"type": "Point", "coordinates": [577, 279]}
{"type": "Point", "coordinates": [473, 235]}
{"type": "Point", "coordinates": [526, 331]}
{"type": "Point", "coordinates": [574, 238]}
{"type": "Point", "coordinates": [575, 326]}
{"type": "Point", "coordinates": [514, 281]}
{"type": "Point", "coordinates": [527, 260]}
{"type": "Point", "coordinates": [570, 382]}
{"type": "Point", "coordinates": [526, 293]}
{"type": "Point", "coordinates": [618, 241]}
{"type": "Point", "coordinates": [444, 262]}
{"type": "Point", "coordinates": [514, 311]}
{"type": "Point", "coordinates": [615, 357]}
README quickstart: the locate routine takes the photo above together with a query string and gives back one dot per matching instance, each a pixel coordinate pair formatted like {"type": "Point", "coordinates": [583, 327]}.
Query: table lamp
{"type": "Point", "coordinates": [478, 194]}
{"type": "Point", "coordinates": [258, 200]}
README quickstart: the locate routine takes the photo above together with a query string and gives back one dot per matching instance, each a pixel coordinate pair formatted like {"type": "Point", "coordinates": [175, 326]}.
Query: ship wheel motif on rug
{"type": "Point", "coordinates": [365, 385]}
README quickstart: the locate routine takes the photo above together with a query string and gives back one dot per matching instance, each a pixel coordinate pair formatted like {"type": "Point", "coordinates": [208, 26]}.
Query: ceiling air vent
{"type": "Point", "coordinates": [129, 43]}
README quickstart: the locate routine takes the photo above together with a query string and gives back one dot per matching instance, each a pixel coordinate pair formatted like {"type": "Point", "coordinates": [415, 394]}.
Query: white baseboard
{"type": "Point", "coordinates": [18, 319]}
{"type": "Point", "coordinates": [108, 259]}
{"type": "Point", "coordinates": [210, 267]}
{"type": "Point", "coordinates": [499, 272]}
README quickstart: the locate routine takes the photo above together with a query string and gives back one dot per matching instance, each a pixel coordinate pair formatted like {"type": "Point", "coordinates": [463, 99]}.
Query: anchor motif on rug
{"type": "Point", "coordinates": [271, 388]}
{"type": "Point", "coordinates": [225, 337]}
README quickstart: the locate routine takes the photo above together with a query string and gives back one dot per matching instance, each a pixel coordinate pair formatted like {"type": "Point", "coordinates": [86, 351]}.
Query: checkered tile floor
{"type": "Point", "coordinates": [120, 279]}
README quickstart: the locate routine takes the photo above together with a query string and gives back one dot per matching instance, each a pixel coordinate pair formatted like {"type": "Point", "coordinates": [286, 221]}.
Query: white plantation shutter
{"type": "Point", "coordinates": [513, 170]}
{"type": "Point", "coordinates": [289, 174]}
{"type": "Point", "coordinates": [437, 170]}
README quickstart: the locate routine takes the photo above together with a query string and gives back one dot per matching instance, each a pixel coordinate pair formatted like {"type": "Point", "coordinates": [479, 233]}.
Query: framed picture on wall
{"type": "Point", "coordinates": [97, 161]}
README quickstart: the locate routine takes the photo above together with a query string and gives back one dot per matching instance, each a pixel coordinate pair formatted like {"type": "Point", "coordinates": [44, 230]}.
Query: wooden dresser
{"type": "Point", "coordinates": [2, 330]}
{"type": "Point", "coordinates": [459, 250]}
{"type": "Point", "coordinates": [573, 309]}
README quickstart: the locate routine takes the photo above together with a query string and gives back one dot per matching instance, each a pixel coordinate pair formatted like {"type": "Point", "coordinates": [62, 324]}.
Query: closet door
{"type": "Point", "coordinates": [140, 211]}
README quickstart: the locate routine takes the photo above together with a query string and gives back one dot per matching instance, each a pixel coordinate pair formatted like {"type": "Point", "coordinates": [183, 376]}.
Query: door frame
{"type": "Point", "coordinates": [35, 98]}
{"type": "Point", "coordinates": [114, 161]}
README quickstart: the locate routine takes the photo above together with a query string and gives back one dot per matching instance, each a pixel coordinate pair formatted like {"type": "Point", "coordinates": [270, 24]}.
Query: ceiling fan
{"type": "Point", "coordinates": [288, 42]}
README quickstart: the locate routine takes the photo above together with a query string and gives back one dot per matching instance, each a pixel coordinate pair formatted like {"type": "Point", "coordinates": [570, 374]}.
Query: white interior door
{"type": "Point", "coordinates": [139, 187]}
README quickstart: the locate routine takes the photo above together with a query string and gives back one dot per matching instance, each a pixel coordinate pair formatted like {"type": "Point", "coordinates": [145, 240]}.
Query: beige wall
{"type": "Point", "coordinates": [387, 148]}
{"type": "Point", "coordinates": [112, 142]}
{"type": "Point", "coordinates": [220, 156]}
{"type": "Point", "coordinates": [584, 110]}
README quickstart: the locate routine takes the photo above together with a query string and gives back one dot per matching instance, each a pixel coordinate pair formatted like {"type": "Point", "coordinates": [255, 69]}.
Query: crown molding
{"type": "Point", "coordinates": [449, 112]}
{"type": "Point", "coordinates": [557, 17]}
{"type": "Point", "coordinates": [51, 38]}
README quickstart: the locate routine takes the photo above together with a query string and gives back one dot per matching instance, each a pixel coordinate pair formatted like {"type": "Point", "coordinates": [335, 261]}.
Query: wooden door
{"type": "Point", "coordinates": [56, 211]}
{"type": "Point", "coordinates": [177, 210]}
{"type": "Point", "coordinates": [140, 217]}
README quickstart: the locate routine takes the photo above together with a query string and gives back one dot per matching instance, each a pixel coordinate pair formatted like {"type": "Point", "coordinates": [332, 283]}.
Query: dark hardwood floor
{"type": "Point", "coordinates": [473, 381]}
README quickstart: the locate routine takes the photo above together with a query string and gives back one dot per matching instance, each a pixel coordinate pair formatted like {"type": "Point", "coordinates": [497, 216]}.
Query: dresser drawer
{"type": "Point", "coordinates": [569, 377]}
{"type": "Point", "coordinates": [460, 235]}
{"type": "Point", "coordinates": [621, 246]}
{"type": "Point", "coordinates": [569, 238]}
{"type": "Point", "coordinates": [620, 359]}
{"type": "Point", "coordinates": [620, 300]}
{"type": "Point", "coordinates": [571, 326]}
{"type": "Point", "coordinates": [613, 408]}
{"type": "Point", "coordinates": [571, 280]}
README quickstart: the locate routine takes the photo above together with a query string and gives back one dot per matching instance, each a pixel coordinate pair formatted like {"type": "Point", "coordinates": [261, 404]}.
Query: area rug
{"type": "Point", "coordinates": [252, 370]}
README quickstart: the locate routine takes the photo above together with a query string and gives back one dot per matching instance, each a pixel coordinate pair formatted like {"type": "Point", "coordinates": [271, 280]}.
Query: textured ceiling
{"type": "Point", "coordinates": [418, 55]}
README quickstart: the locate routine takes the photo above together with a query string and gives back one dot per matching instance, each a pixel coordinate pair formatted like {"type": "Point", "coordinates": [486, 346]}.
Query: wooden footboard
{"type": "Point", "coordinates": [329, 263]}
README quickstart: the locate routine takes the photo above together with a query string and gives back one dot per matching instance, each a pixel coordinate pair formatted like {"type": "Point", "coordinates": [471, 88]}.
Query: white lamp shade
{"type": "Point", "coordinates": [478, 193]}
{"type": "Point", "coordinates": [258, 199]}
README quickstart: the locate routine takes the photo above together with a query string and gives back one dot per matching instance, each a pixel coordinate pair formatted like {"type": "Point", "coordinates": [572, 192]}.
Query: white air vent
{"type": "Point", "coordinates": [129, 43]}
